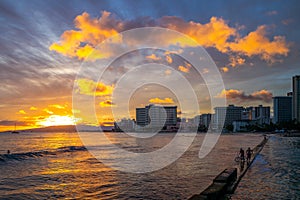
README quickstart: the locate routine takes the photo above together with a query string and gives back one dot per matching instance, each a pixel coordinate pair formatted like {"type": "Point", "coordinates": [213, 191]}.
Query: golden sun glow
{"type": "Point", "coordinates": [56, 120]}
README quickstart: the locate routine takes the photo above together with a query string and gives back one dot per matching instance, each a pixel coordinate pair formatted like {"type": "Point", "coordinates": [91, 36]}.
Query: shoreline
{"type": "Point", "coordinates": [225, 183]}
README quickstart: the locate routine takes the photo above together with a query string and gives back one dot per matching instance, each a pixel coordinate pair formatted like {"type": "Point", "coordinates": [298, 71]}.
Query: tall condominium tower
{"type": "Point", "coordinates": [296, 98]}
{"type": "Point", "coordinates": [156, 115]}
{"type": "Point", "coordinates": [282, 106]}
{"type": "Point", "coordinates": [227, 115]}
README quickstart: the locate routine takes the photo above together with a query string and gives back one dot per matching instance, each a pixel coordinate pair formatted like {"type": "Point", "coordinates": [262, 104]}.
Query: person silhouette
{"type": "Point", "coordinates": [242, 166]}
{"type": "Point", "coordinates": [242, 154]}
{"type": "Point", "coordinates": [248, 154]}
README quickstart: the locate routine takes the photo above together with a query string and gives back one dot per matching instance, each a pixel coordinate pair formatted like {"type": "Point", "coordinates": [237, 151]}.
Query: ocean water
{"type": "Point", "coordinates": [58, 166]}
{"type": "Point", "coordinates": [275, 173]}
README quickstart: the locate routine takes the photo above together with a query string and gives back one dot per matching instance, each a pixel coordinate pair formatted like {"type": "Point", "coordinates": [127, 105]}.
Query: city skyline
{"type": "Point", "coordinates": [149, 99]}
{"type": "Point", "coordinates": [43, 44]}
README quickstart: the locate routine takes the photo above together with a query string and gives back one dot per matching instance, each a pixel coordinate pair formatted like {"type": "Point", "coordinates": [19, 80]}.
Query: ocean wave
{"type": "Point", "coordinates": [35, 154]}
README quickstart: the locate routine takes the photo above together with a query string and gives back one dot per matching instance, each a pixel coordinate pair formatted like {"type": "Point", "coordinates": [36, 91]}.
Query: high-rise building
{"type": "Point", "coordinates": [205, 119]}
{"type": "Point", "coordinates": [141, 116]}
{"type": "Point", "coordinates": [171, 118]}
{"type": "Point", "coordinates": [262, 114]}
{"type": "Point", "coordinates": [156, 115]}
{"type": "Point", "coordinates": [248, 113]}
{"type": "Point", "coordinates": [282, 106]}
{"type": "Point", "coordinates": [227, 115]}
{"type": "Point", "coordinates": [296, 98]}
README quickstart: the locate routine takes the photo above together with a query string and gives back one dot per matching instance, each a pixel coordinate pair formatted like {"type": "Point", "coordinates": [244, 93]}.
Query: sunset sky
{"type": "Point", "coordinates": [255, 45]}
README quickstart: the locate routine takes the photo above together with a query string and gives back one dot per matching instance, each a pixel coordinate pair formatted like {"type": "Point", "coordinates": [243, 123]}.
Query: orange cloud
{"type": "Point", "coordinates": [76, 111]}
{"type": "Point", "coordinates": [107, 103]}
{"type": "Point", "coordinates": [90, 32]}
{"type": "Point", "coordinates": [33, 108]}
{"type": "Point", "coordinates": [240, 96]}
{"type": "Point", "coordinates": [168, 72]}
{"type": "Point", "coordinates": [22, 112]}
{"type": "Point", "coordinates": [217, 33]}
{"type": "Point", "coordinates": [183, 69]}
{"type": "Point", "coordinates": [90, 53]}
{"type": "Point", "coordinates": [153, 57]}
{"type": "Point", "coordinates": [89, 87]}
{"type": "Point", "coordinates": [256, 43]}
{"type": "Point", "coordinates": [205, 71]}
{"type": "Point", "coordinates": [264, 95]}
{"type": "Point", "coordinates": [57, 106]}
{"type": "Point", "coordinates": [236, 60]}
{"type": "Point", "coordinates": [187, 68]}
{"type": "Point", "coordinates": [161, 101]}
{"type": "Point", "coordinates": [225, 69]}
{"type": "Point", "coordinates": [48, 111]}
{"type": "Point", "coordinates": [213, 34]}
{"type": "Point", "coordinates": [169, 59]}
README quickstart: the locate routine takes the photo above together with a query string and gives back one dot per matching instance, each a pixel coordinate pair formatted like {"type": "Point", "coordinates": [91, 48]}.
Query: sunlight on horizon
{"type": "Point", "coordinates": [57, 120]}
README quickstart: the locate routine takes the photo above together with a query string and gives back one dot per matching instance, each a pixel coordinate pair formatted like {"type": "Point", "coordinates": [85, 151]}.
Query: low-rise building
{"type": "Point", "coordinates": [240, 125]}
{"type": "Point", "coordinates": [124, 125]}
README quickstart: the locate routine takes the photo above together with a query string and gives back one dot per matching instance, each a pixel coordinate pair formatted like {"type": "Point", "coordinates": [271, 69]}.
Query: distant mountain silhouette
{"type": "Point", "coordinates": [68, 128]}
{"type": "Point", "coordinates": [62, 128]}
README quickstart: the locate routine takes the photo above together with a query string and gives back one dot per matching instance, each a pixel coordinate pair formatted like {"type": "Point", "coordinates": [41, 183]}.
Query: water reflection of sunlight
{"type": "Point", "coordinates": [82, 173]}
{"type": "Point", "coordinates": [58, 140]}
